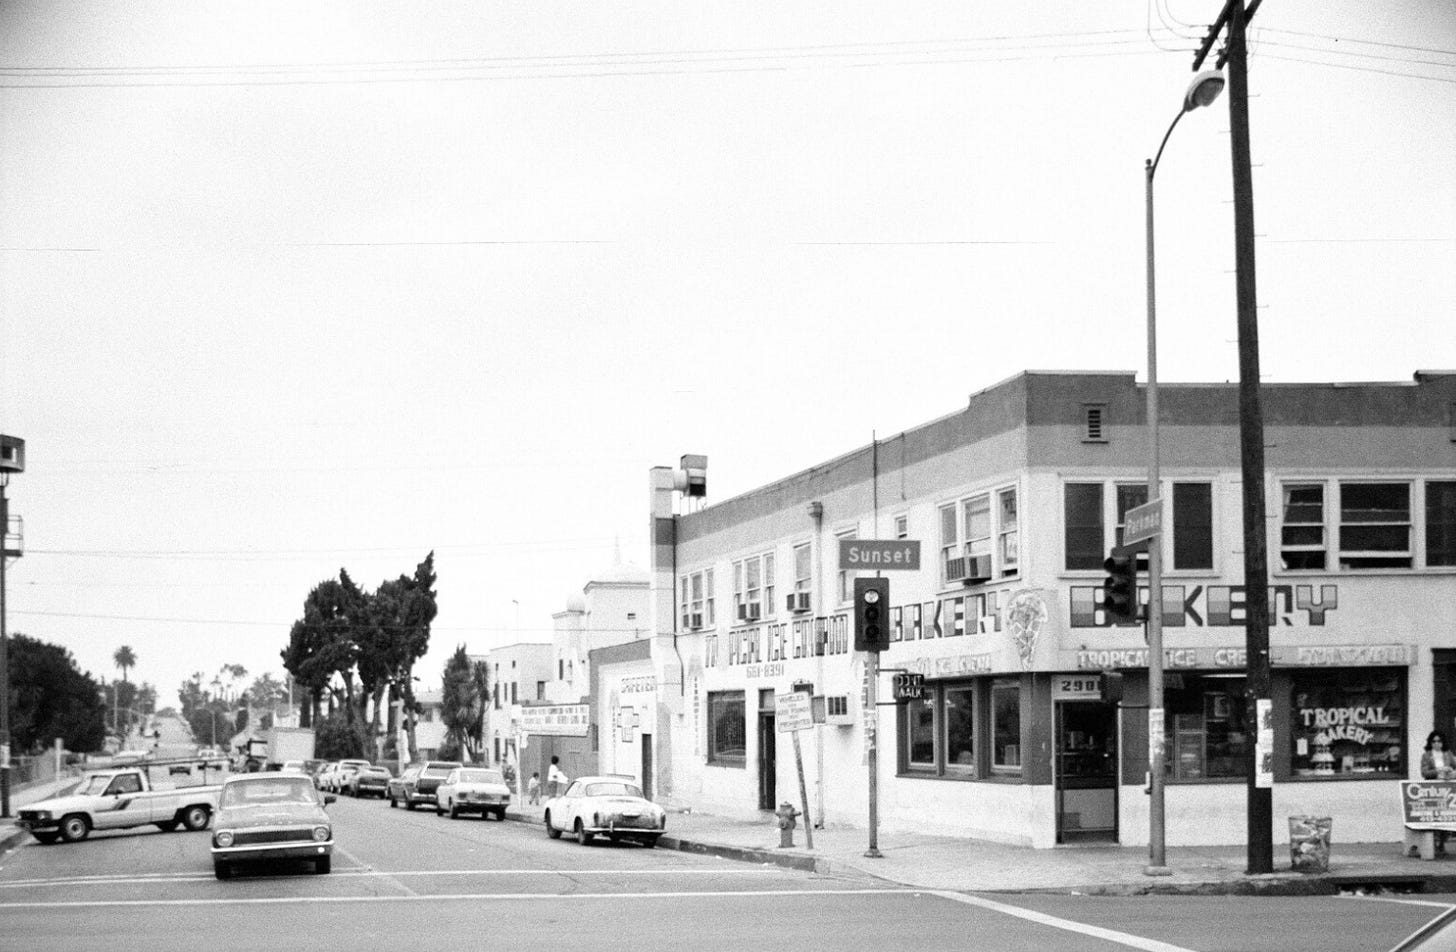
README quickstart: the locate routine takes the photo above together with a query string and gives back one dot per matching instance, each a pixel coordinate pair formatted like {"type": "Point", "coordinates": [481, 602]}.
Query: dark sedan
{"type": "Point", "coordinates": [271, 816]}
{"type": "Point", "coordinates": [422, 790]}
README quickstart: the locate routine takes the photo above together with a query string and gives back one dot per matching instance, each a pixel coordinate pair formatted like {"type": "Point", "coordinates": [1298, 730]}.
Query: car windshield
{"type": "Point", "coordinates": [481, 776]}
{"type": "Point", "coordinates": [613, 788]}
{"type": "Point", "coordinates": [260, 792]}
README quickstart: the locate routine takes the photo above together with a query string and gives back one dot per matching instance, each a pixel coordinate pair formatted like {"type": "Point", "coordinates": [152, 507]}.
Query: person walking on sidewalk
{"type": "Point", "coordinates": [555, 777]}
{"type": "Point", "coordinates": [533, 788]}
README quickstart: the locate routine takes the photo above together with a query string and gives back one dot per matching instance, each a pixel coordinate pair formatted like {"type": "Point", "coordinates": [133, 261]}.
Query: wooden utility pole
{"type": "Point", "coordinates": [1251, 435]}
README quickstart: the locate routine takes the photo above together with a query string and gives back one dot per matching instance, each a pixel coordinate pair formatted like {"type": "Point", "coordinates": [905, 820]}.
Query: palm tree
{"type": "Point", "coordinates": [125, 659]}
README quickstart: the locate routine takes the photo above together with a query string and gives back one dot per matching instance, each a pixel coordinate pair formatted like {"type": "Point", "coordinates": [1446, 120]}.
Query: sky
{"type": "Point", "coordinates": [294, 287]}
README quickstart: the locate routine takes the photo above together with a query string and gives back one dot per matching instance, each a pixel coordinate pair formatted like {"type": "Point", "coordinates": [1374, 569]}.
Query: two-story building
{"type": "Point", "coordinates": [1016, 500]}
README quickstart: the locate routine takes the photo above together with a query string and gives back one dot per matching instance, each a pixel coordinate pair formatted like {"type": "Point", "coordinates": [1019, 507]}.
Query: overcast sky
{"type": "Point", "coordinates": [293, 286]}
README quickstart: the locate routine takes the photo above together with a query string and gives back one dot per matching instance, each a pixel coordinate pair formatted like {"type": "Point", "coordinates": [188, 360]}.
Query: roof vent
{"type": "Point", "coordinates": [1094, 420]}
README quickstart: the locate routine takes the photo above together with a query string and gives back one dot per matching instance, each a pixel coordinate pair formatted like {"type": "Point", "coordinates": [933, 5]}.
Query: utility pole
{"type": "Point", "coordinates": [1260, 808]}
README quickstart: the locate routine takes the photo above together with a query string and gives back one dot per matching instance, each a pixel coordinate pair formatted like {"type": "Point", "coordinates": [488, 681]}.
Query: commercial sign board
{"type": "Point", "coordinates": [885, 555]}
{"type": "Point", "coordinates": [557, 720]}
{"type": "Point", "coordinates": [1429, 804]}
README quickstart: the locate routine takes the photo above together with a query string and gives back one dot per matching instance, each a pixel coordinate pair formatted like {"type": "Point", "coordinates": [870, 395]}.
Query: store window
{"type": "Point", "coordinates": [960, 730]}
{"type": "Point", "coordinates": [1206, 733]}
{"type": "Point", "coordinates": [920, 732]}
{"type": "Point", "coordinates": [1005, 727]}
{"type": "Point", "coordinates": [1192, 526]}
{"type": "Point", "coordinates": [1082, 522]}
{"type": "Point", "coordinates": [1440, 523]}
{"type": "Point", "coordinates": [1375, 526]}
{"type": "Point", "coordinates": [1347, 723]}
{"type": "Point", "coordinates": [727, 728]}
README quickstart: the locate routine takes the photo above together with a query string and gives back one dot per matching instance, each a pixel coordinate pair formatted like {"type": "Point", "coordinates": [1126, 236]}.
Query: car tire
{"type": "Point", "coordinates": [168, 827]}
{"type": "Point", "coordinates": [551, 831]}
{"type": "Point", "coordinates": [196, 818]}
{"type": "Point", "coordinates": [222, 870]}
{"type": "Point", "coordinates": [46, 838]}
{"type": "Point", "coordinates": [75, 828]}
{"type": "Point", "coordinates": [454, 812]}
{"type": "Point", "coordinates": [393, 803]}
{"type": "Point", "coordinates": [583, 838]}
{"type": "Point", "coordinates": [499, 814]}
{"type": "Point", "coordinates": [649, 841]}
{"type": "Point", "coordinates": [322, 865]}
{"type": "Point", "coordinates": [409, 804]}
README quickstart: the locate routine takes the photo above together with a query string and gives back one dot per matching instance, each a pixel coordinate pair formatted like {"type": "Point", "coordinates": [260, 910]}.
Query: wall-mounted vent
{"type": "Point", "coordinates": [1094, 423]}
{"type": "Point", "coordinates": [831, 709]}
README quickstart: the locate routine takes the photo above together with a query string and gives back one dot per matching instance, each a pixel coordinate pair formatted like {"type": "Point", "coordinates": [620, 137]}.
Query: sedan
{"type": "Point", "coordinates": [368, 782]}
{"type": "Point", "coordinates": [605, 806]}
{"type": "Point", "coordinates": [480, 790]}
{"type": "Point", "coordinates": [271, 816]}
{"type": "Point", "coordinates": [398, 788]}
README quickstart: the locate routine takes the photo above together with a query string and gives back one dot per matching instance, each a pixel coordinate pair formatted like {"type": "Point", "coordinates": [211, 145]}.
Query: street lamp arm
{"type": "Point", "coordinates": [1153, 164]}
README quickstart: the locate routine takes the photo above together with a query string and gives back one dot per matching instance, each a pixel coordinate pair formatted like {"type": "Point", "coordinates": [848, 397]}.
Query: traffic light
{"type": "Point", "coordinates": [871, 614]}
{"type": "Point", "coordinates": [1119, 590]}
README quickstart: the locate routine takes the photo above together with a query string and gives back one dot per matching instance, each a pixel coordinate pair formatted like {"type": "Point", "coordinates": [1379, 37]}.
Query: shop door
{"type": "Point", "coordinates": [767, 762]}
{"type": "Point", "coordinates": [1086, 771]}
{"type": "Point", "coordinates": [1443, 664]}
{"type": "Point", "coordinates": [647, 766]}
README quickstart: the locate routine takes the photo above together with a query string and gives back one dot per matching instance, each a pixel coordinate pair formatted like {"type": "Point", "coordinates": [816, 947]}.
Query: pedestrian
{"type": "Point", "coordinates": [533, 787]}
{"type": "Point", "coordinates": [555, 777]}
{"type": "Point", "coordinates": [1437, 763]}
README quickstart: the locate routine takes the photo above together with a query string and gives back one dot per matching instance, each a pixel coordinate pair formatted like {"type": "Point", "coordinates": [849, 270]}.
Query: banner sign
{"type": "Point", "coordinates": [559, 720]}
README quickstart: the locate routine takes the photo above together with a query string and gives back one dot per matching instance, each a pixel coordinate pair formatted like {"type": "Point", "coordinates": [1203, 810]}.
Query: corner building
{"type": "Point", "coordinates": [1016, 500]}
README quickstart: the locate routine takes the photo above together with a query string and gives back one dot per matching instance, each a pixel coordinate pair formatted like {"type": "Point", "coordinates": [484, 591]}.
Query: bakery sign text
{"type": "Point", "coordinates": [1213, 606]}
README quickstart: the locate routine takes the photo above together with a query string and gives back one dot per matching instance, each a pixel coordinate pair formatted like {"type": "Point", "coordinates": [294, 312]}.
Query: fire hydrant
{"type": "Point", "coordinates": [787, 821]}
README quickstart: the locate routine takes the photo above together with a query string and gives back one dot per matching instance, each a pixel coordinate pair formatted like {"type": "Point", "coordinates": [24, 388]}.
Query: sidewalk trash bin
{"type": "Point", "coordinates": [1309, 843]}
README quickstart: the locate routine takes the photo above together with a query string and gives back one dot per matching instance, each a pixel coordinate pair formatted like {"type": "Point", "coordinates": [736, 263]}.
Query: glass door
{"type": "Point", "coordinates": [1086, 771]}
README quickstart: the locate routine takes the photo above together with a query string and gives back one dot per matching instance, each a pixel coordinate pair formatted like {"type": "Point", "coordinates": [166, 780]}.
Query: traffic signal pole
{"type": "Point", "coordinates": [872, 748]}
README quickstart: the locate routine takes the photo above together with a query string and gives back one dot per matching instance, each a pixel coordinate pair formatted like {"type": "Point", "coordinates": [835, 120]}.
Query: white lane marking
{"type": "Point", "coordinates": [1396, 899]}
{"type": "Point", "coordinates": [477, 897]}
{"type": "Point", "coordinates": [372, 871]}
{"type": "Point", "coordinates": [363, 870]}
{"type": "Point", "coordinates": [1111, 935]}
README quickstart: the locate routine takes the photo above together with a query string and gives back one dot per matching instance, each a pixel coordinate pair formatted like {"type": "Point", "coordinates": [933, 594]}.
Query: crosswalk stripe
{"type": "Point", "coordinates": [1111, 935]}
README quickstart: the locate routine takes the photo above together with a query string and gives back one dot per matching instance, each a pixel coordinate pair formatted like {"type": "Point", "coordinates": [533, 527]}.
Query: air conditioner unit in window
{"type": "Point", "coordinates": [798, 601]}
{"type": "Point", "coordinates": [831, 709]}
{"type": "Point", "coordinates": [978, 569]}
{"type": "Point", "coordinates": [749, 611]}
{"type": "Point", "coordinates": [695, 621]}
{"type": "Point", "coordinates": [955, 569]}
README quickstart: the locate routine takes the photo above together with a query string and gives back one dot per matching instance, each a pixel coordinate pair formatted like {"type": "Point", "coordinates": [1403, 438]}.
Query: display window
{"type": "Point", "coordinates": [1206, 732]}
{"type": "Point", "coordinates": [727, 728]}
{"type": "Point", "coordinates": [945, 733]}
{"type": "Point", "coordinates": [1347, 723]}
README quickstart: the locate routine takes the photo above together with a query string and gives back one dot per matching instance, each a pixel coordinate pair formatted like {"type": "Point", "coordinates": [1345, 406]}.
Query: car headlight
{"type": "Point", "coordinates": [320, 833]}
{"type": "Point", "coordinates": [223, 838]}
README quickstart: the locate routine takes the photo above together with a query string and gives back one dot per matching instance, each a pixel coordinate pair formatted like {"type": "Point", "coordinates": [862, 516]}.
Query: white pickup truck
{"type": "Point", "coordinates": [118, 799]}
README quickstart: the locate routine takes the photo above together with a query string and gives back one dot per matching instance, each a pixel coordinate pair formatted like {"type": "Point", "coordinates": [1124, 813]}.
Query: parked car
{"type": "Point", "coordinates": [1438, 935]}
{"type": "Point", "coordinates": [422, 788]}
{"type": "Point", "coordinates": [605, 806]}
{"type": "Point", "coordinates": [322, 775]}
{"type": "Point", "coordinates": [397, 790]}
{"type": "Point", "coordinates": [368, 781]}
{"type": "Point", "coordinates": [480, 790]}
{"type": "Point", "coordinates": [271, 816]}
{"type": "Point", "coordinates": [342, 777]}
{"type": "Point", "coordinates": [292, 766]}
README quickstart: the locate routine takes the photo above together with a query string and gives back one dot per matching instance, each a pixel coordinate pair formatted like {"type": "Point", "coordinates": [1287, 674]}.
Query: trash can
{"type": "Point", "coordinates": [1309, 843]}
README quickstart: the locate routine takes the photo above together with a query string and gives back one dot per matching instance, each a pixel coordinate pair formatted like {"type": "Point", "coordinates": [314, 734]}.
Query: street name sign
{"type": "Point", "coordinates": [1143, 522]}
{"type": "Point", "coordinates": [886, 555]}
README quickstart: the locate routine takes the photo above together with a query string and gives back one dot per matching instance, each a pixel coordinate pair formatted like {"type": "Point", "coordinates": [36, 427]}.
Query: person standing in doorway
{"type": "Point", "coordinates": [555, 777]}
{"type": "Point", "coordinates": [1437, 763]}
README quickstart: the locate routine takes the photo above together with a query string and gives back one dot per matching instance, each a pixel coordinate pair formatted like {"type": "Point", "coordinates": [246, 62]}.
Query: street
{"type": "Point", "coordinates": [411, 877]}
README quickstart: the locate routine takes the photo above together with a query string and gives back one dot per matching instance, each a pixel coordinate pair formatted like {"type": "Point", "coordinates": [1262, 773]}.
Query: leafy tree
{"type": "Point", "coordinates": [480, 674]}
{"type": "Point", "coordinates": [321, 643]}
{"type": "Point", "coordinates": [459, 700]}
{"type": "Point", "coordinates": [50, 697]}
{"type": "Point", "coordinates": [338, 736]}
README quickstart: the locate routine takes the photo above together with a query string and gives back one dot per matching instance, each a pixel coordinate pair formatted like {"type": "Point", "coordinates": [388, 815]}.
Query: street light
{"type": "Point", "coordinates": [1203, 90]}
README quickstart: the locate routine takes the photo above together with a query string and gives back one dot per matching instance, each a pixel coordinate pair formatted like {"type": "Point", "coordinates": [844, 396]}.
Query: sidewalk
{"type": "Point", "coordinates": [940, 862]}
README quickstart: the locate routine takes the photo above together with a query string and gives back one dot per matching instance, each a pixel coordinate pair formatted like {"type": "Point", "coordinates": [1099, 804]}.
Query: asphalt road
{"type": "Point", "coordinates": [410, 880]}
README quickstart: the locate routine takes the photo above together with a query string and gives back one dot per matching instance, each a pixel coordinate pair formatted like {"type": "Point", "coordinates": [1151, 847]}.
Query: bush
{"type": "Point", "coordinates": [335, 738]}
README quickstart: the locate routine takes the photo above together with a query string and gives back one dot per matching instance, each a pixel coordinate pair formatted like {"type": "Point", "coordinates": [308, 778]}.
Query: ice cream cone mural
{"type": "Point", "coordinates": [1026, 615]}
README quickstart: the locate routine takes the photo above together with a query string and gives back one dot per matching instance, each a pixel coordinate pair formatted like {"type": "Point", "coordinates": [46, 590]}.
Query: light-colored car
{"type": "Point", "coordinates": [370, 781]}
{"type": "Point", "coordinates": [398, 788]}
{"type": "Point", "coordinates": [605, 806]}
{"type": "Point", "coordinates": [271, 816]}
{"type": "Point", "coordinates": [325, 774]}
{"type": "Point", "coordinates": [480, 790]}
{"type": "Point", "coordinates": [293, 766]}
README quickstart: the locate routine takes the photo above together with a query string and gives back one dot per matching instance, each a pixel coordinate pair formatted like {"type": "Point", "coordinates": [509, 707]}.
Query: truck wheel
{"type": "Point", "coordinates": [196, 817]}
{"type": "Point", "coordinates": [46, 838]}
{"type": "Point", "coordinates": [552, 831]}
{"type": "Point", "coordinates": [323, 864]}
{"type": "Point", "coordinates": [222, 870]}
{"type": "Point", "coordinates": [75, 828]}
